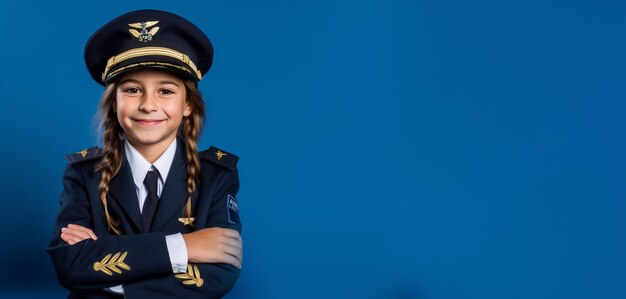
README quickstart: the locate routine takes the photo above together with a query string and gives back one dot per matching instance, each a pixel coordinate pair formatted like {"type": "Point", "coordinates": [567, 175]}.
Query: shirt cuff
{"type": "Point", "coordinates": [118, 289]}
{"type": "Point", "coordinates": [177, 250]}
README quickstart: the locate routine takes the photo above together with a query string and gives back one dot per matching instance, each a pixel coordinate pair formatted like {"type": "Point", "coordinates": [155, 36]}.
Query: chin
{"type": "Point", "coordinates": [148, 140]}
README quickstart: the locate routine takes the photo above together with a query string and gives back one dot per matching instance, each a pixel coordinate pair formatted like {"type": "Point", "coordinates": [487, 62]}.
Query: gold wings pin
{"type": "Point", "coordinates": [187, 221]}
{"type": "Point", "coordinates": [143, 34]}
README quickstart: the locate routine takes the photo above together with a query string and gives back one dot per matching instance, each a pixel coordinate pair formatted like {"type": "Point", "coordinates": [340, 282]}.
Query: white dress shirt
{"type": "Point", "coordinates": [139, 167]}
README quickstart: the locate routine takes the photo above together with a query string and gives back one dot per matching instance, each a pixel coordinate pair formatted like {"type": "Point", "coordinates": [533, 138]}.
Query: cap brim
{"type": "Point", "coordinates": [150, 62]}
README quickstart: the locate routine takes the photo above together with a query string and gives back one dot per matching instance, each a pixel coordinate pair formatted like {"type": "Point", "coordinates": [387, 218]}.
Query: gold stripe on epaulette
{"type": "Point", "coordinates": [192, 277]}
{"type": "Point", "coordinates": [110, 262]}
{"type": "Point", "coordinates": [220, 154]}
{"type": "Point", "coordinates": [83, 152]}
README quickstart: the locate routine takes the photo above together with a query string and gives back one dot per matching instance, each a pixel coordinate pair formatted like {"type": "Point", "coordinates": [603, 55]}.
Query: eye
{"type": "Point", "coordinates": [132, 90]}
{"type": "Point", "coordinates": [166, 91]}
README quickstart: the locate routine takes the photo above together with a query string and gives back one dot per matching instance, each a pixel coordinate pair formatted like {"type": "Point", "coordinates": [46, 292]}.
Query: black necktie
{"type": "Point", "coordinates": [150, 204]}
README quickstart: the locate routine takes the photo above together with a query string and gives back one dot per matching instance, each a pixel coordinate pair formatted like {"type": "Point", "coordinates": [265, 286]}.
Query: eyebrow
{"type": "Point", "coordinates": [139, 82]}
{"type": "Point", "coordinates": [169, 82]}
{"type": "Point", "coordinates": [129, 80]}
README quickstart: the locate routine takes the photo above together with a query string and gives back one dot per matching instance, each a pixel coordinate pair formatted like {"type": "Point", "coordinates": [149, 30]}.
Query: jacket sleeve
{"type": "Point", "coordinates": [110, 260]}
{"type": "Point", "coordinates": [201, 280]}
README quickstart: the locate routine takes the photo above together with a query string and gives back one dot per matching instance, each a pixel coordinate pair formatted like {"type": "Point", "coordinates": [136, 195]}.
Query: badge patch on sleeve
{"type": "Point", "coordinates": [232, 207]}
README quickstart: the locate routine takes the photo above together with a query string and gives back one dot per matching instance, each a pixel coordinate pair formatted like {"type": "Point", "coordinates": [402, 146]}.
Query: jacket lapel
{"type": "Point", "coordinates": [174, 193]}
{"type": "Point", "coordinates": [122, 189]}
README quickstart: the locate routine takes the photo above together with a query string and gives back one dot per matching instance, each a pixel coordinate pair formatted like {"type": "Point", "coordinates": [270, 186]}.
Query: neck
{"type": "Point", "coordinates": [151, 152]}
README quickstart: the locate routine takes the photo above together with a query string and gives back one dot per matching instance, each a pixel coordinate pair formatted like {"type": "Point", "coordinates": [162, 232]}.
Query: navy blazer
{"type": "Point", "coordinates": [136, 259]}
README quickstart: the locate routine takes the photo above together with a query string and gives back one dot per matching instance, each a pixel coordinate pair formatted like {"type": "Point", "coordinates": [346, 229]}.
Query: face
{"type": "Point", "coordinates": [150, 106]}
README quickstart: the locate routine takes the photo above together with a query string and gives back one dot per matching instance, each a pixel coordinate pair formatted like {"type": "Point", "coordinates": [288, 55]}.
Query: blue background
{"type": "Point", "coordinates": [389, 149]}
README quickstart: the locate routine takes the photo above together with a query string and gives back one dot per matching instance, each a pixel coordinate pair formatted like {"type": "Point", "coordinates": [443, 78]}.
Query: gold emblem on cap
{"type": "Point", "coordinates": [192, 277]}
{"type": "Point", "coordinates": [110, 262]}
{"type": "Point", "coordinates": [187, 221]}
{"type": "Point", "coordinates": [220, 154]}
{"type": "Point", "coordinates": [144, 35]}
{"type": "Point", "coordinates": [83, 153]}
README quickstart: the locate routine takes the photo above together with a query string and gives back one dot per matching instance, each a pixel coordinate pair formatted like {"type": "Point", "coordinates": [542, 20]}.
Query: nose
{"type": "Point", "coordinates": [148, 103]}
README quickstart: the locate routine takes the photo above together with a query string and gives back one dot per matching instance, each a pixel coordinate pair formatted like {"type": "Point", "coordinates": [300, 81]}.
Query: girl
{"type": "Point", "coordinates": [147, 216]}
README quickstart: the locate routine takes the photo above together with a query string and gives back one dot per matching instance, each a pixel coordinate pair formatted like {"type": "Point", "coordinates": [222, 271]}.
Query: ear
{"type": "Point", "coordinates": [187, 110]}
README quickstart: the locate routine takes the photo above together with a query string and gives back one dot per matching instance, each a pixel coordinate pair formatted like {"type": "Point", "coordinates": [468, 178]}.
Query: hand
{"type": "Point", "coordinates": [214, 245]}
{"type": "Point", "coordinates": [75, 233]}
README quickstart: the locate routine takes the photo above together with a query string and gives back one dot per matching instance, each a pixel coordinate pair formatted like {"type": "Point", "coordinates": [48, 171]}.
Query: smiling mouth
{"type": "Point", "coordinates": [148, 121]}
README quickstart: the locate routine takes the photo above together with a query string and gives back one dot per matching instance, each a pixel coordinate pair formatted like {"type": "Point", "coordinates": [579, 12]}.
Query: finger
{"type": "Point", "coordinates": [71, 236]}
{"type": "Point", "coordinates": [231, 233]}
{"type": "Point", "coordinates": [80, 227]}
{"type": "Point", "coordinates": [65, 237]}
{"type": "Point", "coordinates": [229, 259]}
{"type": "Point", "coordinates": [237, 253]}
{"type": "Point", "coordinates": [93, 236]}
{"type": "Point", "coordinates": [84, 229]}
{"type": "Point", "coordinates": [233, 243]}
{"type": "Point", "coordinates": [228, 232]}
{"type": "Point", "coordinates": [78, 233]}
{"type": "Point", "coordinates": [75, 226]}
{"type": "Point", "coordinates": [70, 239]}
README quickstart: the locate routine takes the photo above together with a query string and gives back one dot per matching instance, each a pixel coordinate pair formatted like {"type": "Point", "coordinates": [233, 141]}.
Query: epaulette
{"type": "Point", "coordinates": [220, 157]}
{"type": "Point", "coordinates": [84, 155]}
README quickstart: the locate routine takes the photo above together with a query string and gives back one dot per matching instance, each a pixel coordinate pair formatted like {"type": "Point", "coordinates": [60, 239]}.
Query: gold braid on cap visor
{"type": "Point", "coordinates": [150, 51]}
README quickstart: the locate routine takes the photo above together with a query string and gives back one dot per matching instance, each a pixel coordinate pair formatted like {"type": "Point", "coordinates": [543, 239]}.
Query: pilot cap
{"type": "Point", "coordinates": [148, 39]}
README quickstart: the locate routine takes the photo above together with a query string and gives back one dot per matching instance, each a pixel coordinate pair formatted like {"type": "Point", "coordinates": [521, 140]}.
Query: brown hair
{"type": "Point", "coordinates": [113, 135]}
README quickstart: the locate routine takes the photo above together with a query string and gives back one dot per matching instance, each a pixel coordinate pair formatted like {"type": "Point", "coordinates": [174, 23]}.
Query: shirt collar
{"type": "Point", "coordinates": [139, 166]}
